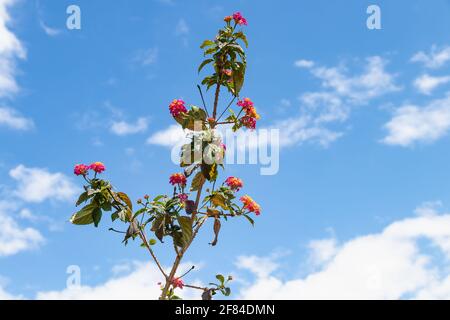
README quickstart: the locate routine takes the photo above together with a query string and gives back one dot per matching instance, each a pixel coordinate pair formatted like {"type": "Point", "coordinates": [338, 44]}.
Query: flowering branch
{"type": "Point", "coordinates": [176, 216]}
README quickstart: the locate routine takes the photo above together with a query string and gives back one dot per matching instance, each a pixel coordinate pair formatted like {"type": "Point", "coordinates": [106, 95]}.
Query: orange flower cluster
{"type": "Point", "coordinates": [251, 205]}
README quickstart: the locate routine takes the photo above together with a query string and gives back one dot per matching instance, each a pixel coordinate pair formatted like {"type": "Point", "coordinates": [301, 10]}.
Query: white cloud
{"type": "Point", "coordinates": [411, 123]}
{"type": "Point", "coordinates": [169, 137]}
{"type": "Point", "coordinates": [437, 57]}
{"type": "Point", "coordinates": [123, 128]}
{"type": "Point", "coordinates": [6, 296]}
{"type": "Point", "coordinates": [340, 93]}
{"type": "Point", "coordinates": [10, 49]}
{"type": "Point", "coordinates": [11, 119]}
{"type": "Point", "coordinates": [391, 264]}
{"type": "Point", "coordinates": [426, 83]}
{"type": "Point", "coordinates": [52, 32]}
{"type": "Point", "coordinates": [322, 250]}
{"type": "Point", "coordinates": [372, 83]}
{"type": "Point", "coordinates": [304, 63]}
{"type": "Point", "coordinates": [13, 237]}
{"type": "Point", "coordinates": [146, 57]}
{"type": "Point", "coordinates": [182, 28]}
{"type": "Point", "coordinates": [141, 283]}
{"type": "Point", "coordinates": [294, 131]}
{"type": "Point", "coordinates": [38, 185]}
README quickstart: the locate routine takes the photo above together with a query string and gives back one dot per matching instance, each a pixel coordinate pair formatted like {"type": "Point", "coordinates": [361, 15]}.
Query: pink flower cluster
{"type": "Point", "coordinates": [82, 169]}
{"type": "Point", "coordinates": [178, 179]}
{"type": "Point", "coordinates": [251, 116]}
{"type": "Point", "coordinates": [183, 197]}
{"type": "Point", "coordinates": [234, 183]}
{"type": "Point", "coordinates": [177, 107]}
{"type": "Point", "coordinates": [177, 283]}
{"type": "Point", "coordinates": [239, 19]}
{"type": "Point", "coordinates": [251, 205]}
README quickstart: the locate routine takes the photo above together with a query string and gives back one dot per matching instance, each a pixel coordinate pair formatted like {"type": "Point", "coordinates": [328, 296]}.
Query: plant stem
{"type": "Point", "coordinates": [180, 255]}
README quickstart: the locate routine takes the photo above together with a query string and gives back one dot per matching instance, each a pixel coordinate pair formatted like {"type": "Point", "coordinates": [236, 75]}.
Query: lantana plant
{"type": "Point", "coordinates": [197, 193]}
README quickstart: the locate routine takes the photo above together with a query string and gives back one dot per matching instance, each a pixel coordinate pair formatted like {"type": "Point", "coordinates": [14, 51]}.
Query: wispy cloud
{"type": "Point", "coordinates": [302, 63]}
{"type": "Point", "coordinates": [10, 49]}
{"type": "Point", "coordinates": [123, 128]}
{"type": "Point", "coordinates": [332, 104]}
{"type": "Point", "coordinates": [12, 119]}
{"type": "Point", "coordinates": [168, 137]}
{"type": "Point", "coordinates": [435, 58]}
{"type": "Point", "coordinates": [146, 57]}
{"type": "Point", "coordinates": [182, 28]}
{"type": "Point", "coordinates": [426, 84]}
{"type": "Point", "coordinates": [52, 32]}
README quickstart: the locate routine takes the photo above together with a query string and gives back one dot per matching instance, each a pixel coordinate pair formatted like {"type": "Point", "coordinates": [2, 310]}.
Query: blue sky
{"type": "Point", "coordinates": [363, 114]}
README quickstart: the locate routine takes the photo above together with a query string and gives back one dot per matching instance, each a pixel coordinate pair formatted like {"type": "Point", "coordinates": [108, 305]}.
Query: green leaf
{"type": "Point", "coordinates": [152, 242]}
{"type": "Point", "coordinates": [221, 278]}
{"type": "Point", "coordinates": [209, 171]}
{"type": "Point", "coordinates": [97, 216]}
{"type": "Point", "coordinates": [186, 229]}
{"type": "Point", "coordinates": [198, 181]}
{"type": "Point", "coordinates": [83, 198]}
{"type": "Point", "coordinates": [238, 79]}
{"type": "Point", "coordinates": [204, 63]}
{"type": "Point", "coordinates": [139, 212]}
{"type": "Point", "coordinates": [115, 216]}
{"type": "Point", "coordinates": [124, 197]}
{"type": "Point", "coordinates": [250, 219]}
{"type": "Point", "coordinates": [242, 36]}
{"type": "Point", "coordinates": [106, 206]}
{"type": "Point", "coordinates": [207, 43]}
{"type": "Point", "coordinates": [158, 227]}
{"type": "Point", "coordinates": [227, 292]}
{"type": "Point", "coordinates": [84, 216]}
{"type": "Point", "coordinates": [218, 200]}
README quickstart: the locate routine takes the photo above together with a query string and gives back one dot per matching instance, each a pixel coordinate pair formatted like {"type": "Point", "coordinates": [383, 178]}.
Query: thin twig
{"type": "Point", "coordinates": [203, 100]}
{"type": "Point", "coordinates": [229, 105]}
